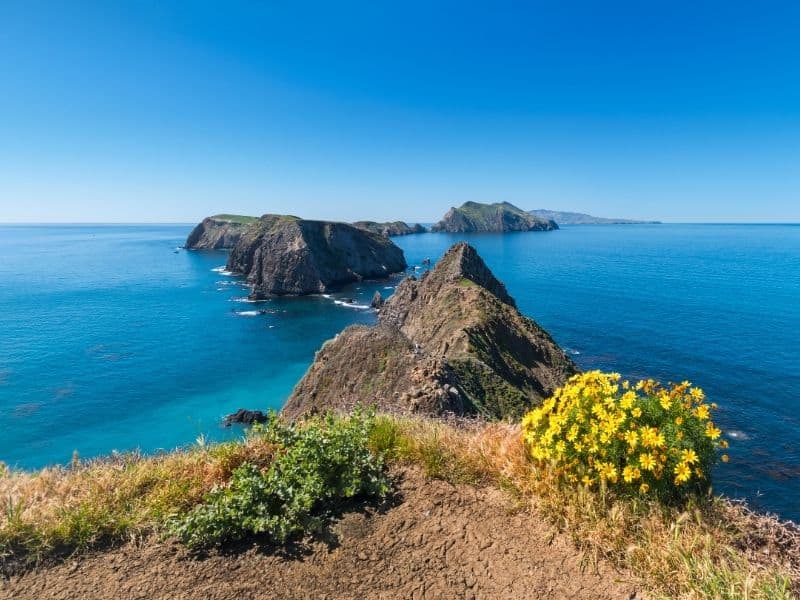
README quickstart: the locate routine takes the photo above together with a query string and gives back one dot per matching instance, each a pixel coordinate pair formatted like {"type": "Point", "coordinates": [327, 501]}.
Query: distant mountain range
{"type": "Point", "coordinates": [573, 218]}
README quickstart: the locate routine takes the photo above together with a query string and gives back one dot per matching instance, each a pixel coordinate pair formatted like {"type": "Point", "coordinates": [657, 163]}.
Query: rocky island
{"type": "Point", "coordinates": [451, 341]}
{"type": "Point", "coordinates": [219, 232]}
{"type": "Point", "coordinates": [499, 217]}
{"type": "Point", "coordinates": [391, 228]}
{"type": "Point", "coordinates": [574, 218]}
{"type": "Point", "coordinates": [286, 255]}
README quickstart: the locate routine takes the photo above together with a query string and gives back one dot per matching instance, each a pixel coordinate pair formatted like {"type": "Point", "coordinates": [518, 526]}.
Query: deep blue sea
{"type": "Point", "coordinates": [112, 340]}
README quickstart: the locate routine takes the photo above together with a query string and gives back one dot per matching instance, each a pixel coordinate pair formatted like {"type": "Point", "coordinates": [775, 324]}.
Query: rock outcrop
{"type": "Point", "coordinates": [285, 255]}
{"type": "Point", "coordinates": [390, 229]}
{"type": "Point", "coordinates": [498, 218]}
{"type": "Point", "coordinates": [219, 232]}
{"type": "Point", "coordinates": [245, 417]}
{"type": "Point", "coordinates": [452, 341]}
{"type": "Point", "coordinates": [573, 218]}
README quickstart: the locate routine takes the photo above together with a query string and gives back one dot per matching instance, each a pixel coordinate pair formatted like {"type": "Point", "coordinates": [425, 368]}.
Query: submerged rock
{"type": "Point", "coordinates": [218, 232]}
{"type": "Point", "coordinates": [499, 217]}
{"type": "Point", "coordinates": [245, 417]}
{"type": "Point", "coordinates": [283, 255]}
{"type": "Point", "coordinates": [377, 300]}
{"type": "Point", "coordinates": [451, 341]}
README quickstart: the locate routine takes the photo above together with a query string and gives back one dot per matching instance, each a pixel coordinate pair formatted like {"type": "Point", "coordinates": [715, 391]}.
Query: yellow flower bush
{"type": "Point", "coordinates": [643, 438]}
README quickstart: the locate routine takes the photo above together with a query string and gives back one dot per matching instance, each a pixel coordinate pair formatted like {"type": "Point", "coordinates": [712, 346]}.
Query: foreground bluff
{"type": "Point", "coordinates": [497, 218]}
{"type": "Point", "coordinates": [218, 232]}
{"type": "Point", "coordinates": [287, 255]}
{"type": "Point", "coordinates": [452, 341]}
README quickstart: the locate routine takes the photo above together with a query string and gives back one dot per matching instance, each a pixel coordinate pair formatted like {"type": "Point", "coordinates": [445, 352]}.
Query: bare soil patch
{"type": "Point", "coordinates": [436, 541]}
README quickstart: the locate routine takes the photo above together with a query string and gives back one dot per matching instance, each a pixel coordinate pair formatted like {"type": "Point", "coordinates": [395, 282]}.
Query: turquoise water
{"type": "Point", "coordinates": [109, 340]}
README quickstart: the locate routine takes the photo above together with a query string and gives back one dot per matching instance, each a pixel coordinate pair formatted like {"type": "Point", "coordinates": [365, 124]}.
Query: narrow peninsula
{"type": "Point", "coordinates": [452, 341]}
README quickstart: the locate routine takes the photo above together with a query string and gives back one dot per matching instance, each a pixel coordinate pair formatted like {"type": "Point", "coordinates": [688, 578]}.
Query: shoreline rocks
{"type": "Point", "coordinates": [244, 417]}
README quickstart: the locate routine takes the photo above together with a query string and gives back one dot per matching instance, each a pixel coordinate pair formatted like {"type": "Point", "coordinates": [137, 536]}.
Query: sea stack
{"type": "Point", "coordinates": [286, 255]}
{"type": "Point", "coordinates": [452, 341]}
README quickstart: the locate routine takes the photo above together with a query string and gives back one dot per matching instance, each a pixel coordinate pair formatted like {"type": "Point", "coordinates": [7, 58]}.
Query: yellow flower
{"type": "Point", "coordinates": [647, 462]}
{"type": "Point", "coordinates": [587, 481]}
{"type": "Point", "coordinates": [702, 411]}
{"type": "Point", "coordinates": [678, 420]}
{"type": "Point", "coordinates": [561, 446]}
{"type": "Point", "coordinates": [712, 431]}
{"type": "Point", "coordinates": [682, 473]}
{"type": "Point", "coordinates": [631, 474]}
{"type": "Point", "coordinates": [725, 458]}
{"type": "Point", "coordinates": [689, 456]}
{"type": "Point", "coordinates": [632, 438]}
{"type": "Point", "coordinates": [644, 488]}
{"type": "Point", "coordinates": [607, 471]}
{"type": "Point", "coordinates": [649, 436]}
{"type": "Point", "coordinates": [665, 401]}
{"type": "Point", "coordinates": [697, 394]}
{"type": "Point", "coordinates": [637, 412]}
{"type": "Point", "coordinates": [627, 400]}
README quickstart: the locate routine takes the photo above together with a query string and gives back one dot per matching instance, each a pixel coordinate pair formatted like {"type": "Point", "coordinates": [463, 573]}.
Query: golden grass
{"type": "Point", "coordinates": [712, 548]}
{"type": "Point", "coordinates": [59, 510]}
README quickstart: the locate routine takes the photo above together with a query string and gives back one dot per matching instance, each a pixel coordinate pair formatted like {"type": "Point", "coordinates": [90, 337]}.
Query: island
{"type": "Point", "coordinates": [391, 228]}
{"type": "Point", "coordinates": [287, 255]}
{"type": "Point", "coordinates": [498, 218]}
{"type": "Point", "coordinates": [574, 218]}
{"type": "Point", "coordinates": [452, 341]}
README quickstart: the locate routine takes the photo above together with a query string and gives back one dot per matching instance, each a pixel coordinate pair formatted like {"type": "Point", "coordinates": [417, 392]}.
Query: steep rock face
{"type": "Point", "coordinates": [286, 255]}
{"type": "Point", "coordinates": [452, 341]}
{"type": "Point", "coordinates": [499, 217]}
{"type": "Point", "coordinates": [390, 229]}
{"type": "Point", "coordinates": [218, 232]}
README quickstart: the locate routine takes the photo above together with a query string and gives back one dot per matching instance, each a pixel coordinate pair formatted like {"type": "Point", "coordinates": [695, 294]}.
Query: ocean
{"type": "Point", "coordinates": [112, 339]}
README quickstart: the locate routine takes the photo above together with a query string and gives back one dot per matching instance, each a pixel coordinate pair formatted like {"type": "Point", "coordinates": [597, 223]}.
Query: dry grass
{"type": "Point", "coordinates": [711, 548]}
{"type": "Point", "coordinates": [63, 509]}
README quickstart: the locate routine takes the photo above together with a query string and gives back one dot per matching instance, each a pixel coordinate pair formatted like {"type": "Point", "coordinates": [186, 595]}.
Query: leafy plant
{"type": "Point", "coordinates": [642, 439]}
{"type": "Point", "coordinates": [317, 464]}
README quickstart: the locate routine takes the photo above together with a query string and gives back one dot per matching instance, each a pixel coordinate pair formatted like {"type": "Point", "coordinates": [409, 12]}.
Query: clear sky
{"type": "Point", "coordinates": [170, 111]}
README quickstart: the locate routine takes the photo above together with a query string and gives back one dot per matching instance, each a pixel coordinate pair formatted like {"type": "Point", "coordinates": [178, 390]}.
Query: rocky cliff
{"type": "Point", "coordinates": [498, 217]}
{"type": "Point", "coordinates": [390, 229]}
{"type": "Point", "coordinates": [218, 232]}
{"type": "Point", "coordinates": [452, 341]}
{"type": "Point", "coordinates": [286, 255]}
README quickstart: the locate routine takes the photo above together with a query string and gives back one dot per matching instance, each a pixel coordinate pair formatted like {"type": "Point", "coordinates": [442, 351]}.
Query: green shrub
{"type": "Point", "coordinates": [317, 464]}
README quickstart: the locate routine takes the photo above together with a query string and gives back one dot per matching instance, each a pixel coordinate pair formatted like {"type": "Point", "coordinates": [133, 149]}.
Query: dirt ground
{"type": "Point", "coordinates": [435, 541]}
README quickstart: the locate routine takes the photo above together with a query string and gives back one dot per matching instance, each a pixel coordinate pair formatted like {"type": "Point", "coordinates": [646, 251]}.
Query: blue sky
{"type": "Point", "coordinates": [169, 111]}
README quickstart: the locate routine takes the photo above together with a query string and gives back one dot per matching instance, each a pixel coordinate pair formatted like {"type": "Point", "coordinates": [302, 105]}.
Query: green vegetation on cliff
{"type": "Point", "coordinates": [498, 217]}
